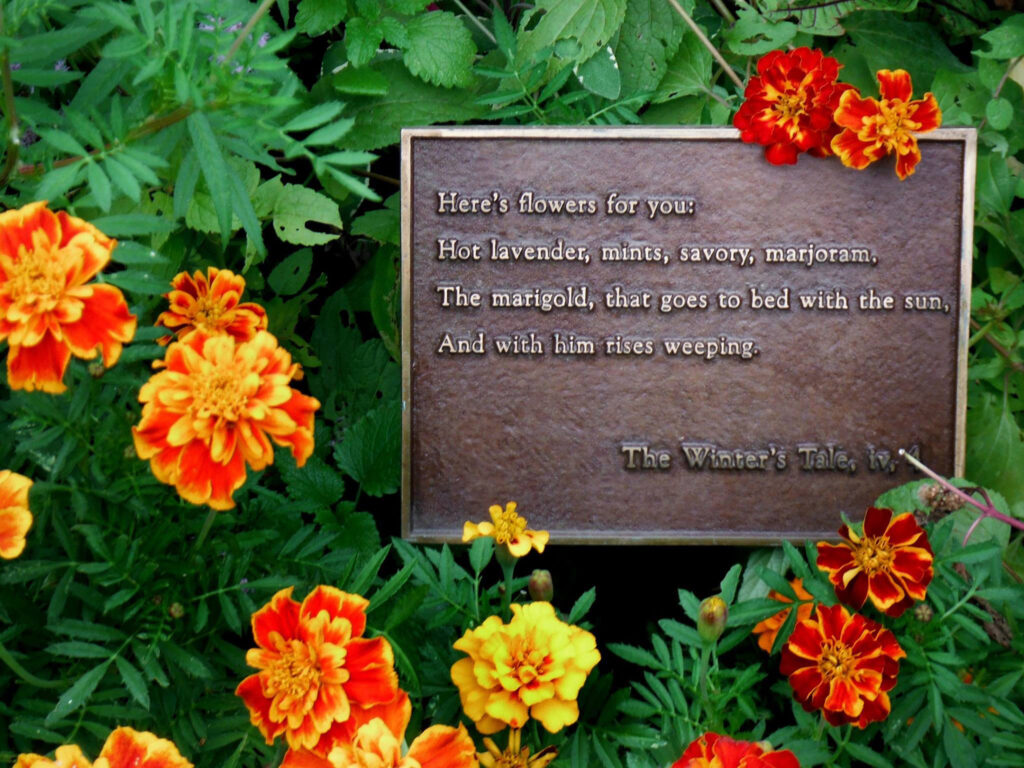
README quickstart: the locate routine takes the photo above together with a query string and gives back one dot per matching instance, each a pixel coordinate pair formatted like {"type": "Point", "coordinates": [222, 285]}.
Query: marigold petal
{"type": "Point", "coordinates": [304, 758]}
{"type": "Point", "coordinates": [128, 748]}
{"type": "Point", "coordinates": [279, 617]}
{"type": "Point", "coordinates": [507, 708]}
{"type": "Point", "coordinates": [15, 523]}
{"type": "Point", "coordinates": [201, 480]}
{"type": "Point", "coordinates": [876, 521]}
{"type": "Point", "coordinates": [854, 152]}
{"type": "Point", "coordinates": [442, 746]}
{"type": "Point", "coordinates": [555, 714]}
{"type": "Point", "coordinates": [832, 557]}
{"type": "Point", "coordinates": [337, 604]}
{"type": "Point", "coordinates": [895, 84]}
{"type": "Point", "coordinates": [105, 324]}
{"type": "Point", "coordinates": [926, 112]}
{"type": "Point", "coordinates": [40, 367]}
{"type": "Point", "coordinates": [370, 662]}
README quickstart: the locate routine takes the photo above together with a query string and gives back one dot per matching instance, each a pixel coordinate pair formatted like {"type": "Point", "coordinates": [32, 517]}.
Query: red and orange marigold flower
{"type": "Point", "coordinates": [873, 129]}
{"type": "Point", "coordinates": [715, 751]}
{"type": "Point", "coordinates": [211, 303]}
{"type": "Point", "coordinates": [124, 748]}
{"type": "Point", "coordinates": [534, 666]}
{"type": "Point", "coordinates": [891, 562]}
{"type": "Point", "coordinates": [48, 308]}
{"type": "Point", "coordinates": [789, 105]}
{"type": "Point", "coordinates": [15, 517]}
{"type": "Point", "coordinates": [842, 664]}
{"type": "Point", "coordinates": [767, 629]}
{"type": "Point", "coordinates": [316, 669]}
{"type": "Point", "coordinates": [214, 408]}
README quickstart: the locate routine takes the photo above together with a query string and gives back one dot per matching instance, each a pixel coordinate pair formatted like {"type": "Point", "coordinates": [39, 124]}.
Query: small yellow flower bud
{"type": "Point", "coordinates": [541, 587]}
{"type": "Point", "coordinates": [711, 618]}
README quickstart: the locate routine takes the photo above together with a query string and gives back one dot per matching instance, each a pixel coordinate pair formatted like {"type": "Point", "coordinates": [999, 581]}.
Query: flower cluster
{"type": "Point", "coordinates": [715, 751]}
{"type": "Point", "coordinates": [124, 748]}
{"type": "Point", "coordinates": [534, 666]}
{"type": "Point", "coordinates": [49, 309]}
{"type": "Point", "coordinates": [15, 517]}
{"type": "Point", "coordinates": [795, 104]}
{"type": "Point", "coordinates": [223, 393]}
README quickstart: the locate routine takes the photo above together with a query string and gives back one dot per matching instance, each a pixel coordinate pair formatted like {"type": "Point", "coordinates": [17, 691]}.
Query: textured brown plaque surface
{"type": "Point", "coordinates": [765, 422]}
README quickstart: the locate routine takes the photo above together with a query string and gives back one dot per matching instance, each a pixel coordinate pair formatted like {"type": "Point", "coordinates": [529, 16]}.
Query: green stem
{"type": "Point", "coordinates": [508, 569]}
{"type": "Point", "coordinates": [13, 141]}
{"type": "Point", "coordinates": [24, 674]}
{"type": "Point", "coordinates": [207, 525]}
{"type": "Point", "coordinates": [711, 716]}
{"type": "Point", "coordinates": [707, 43]}
{"type": "Point", "coordinates": [475, 20]}
{"type": "Point", "coordinates": [244, 33]}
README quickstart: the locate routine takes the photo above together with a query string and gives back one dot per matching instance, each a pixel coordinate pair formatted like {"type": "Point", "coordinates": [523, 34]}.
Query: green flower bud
{"type": "Point", "coordinates": [541, 587]}
{"type": "Point", "coordinates": [711, 618]}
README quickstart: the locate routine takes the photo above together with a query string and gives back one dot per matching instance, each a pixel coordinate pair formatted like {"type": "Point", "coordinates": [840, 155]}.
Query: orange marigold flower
{"type": "Point", "coordinates": [534, 666]}
{"type": "Point", "coordinates": [789, 105]}
{"type": "Point", "coordinates": [843, 664]}
{"type": "Point", "coordinates": [873, 129]}
{"type": "Point", "coordinates": [515, 755]}
{"type": "Point", "coordinates": [767, 629]}
{"type": "Point", "coordinates": [211, 409]}
{"type": "Point", "coordinates": [210, 303]}
{"type": "Point", "coordinates": [891, 563]}
{"type": "Point", "coordinates": [316, 668]}
{"type": "Point", "coordinates": [15, 517]}
{"type": "Point", "coordinates": [715, 751]}
{"type": "Point", "coordinates": [124, 748]}
{"type": "Point", "coordinates": [509, 529]}
{"type": "Point", "coordinates": [48, 309]}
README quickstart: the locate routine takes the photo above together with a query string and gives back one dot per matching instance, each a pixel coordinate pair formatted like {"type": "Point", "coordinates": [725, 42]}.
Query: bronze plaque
{"type": "Point", "coordinates": [652, 335]}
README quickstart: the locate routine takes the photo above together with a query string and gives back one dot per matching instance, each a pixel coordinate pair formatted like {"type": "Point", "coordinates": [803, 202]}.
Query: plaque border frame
{"type": "Point", "coordinates": [967, 135]}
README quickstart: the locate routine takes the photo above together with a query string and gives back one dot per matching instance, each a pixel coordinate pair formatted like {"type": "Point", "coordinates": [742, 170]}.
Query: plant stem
{"type": "Point", "coordinates": [705, 700]}
{"type": "Point", "coordinates": [244, 32]}
{"type": "Point", "coordinates": [983, 332]}
{"type": "Point", "coordinates": [475, 20]}
{"type": "Point", "coordinates": [995, 94]}
{"type": "Point", "coordinates": [207, 525]}
{"type": "Point", "coordinates": [724, 12]}
{"type": "Point", "coordinates": [24, 674]}
{"type": "Point", "coordinates": [707, 43]}
{"type": "Point", "coordinates": [13, 140]}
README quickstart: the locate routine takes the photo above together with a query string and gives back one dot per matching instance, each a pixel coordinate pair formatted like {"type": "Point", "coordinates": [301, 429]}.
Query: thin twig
{"type": "Point", "coordinates": [724, 12]}
{"type": "Point", "coordinates": [1002, 82]}
{"type": "Point", "coordinates": [244, 33]}
{"type": "Point", "coordinates": [707, 43]}
{"type": "Point", "coordinates": [378, 176]}
{"type": "Point", "coordinates": [1019, 367]}
{"type": "Point", "coordinates": [13, 140]}
{"type": "Point", "coordinates": [475, 20]}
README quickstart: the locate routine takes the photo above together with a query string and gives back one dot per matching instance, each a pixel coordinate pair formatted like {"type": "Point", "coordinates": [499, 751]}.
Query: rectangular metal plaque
{"type": "Point", "coordinates": [652, 335]}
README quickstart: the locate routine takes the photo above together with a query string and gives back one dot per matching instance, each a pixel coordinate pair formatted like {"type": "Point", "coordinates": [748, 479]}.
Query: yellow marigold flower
{"type": "Point", "coordinates": [509, 529]}
{"type": "Point", "coordinates": [515, 755]}
{"type": "Point", "coordinates": [48, 308]}
{"type": "Point", "coordinates": [211, 303]}
{"type": "Point", "coordinates": [15, 518]}
{"type": "Point", "coordinates": [214, 408]}
{"type": "Point", "coordinates": [534, 666]}
{"type": "Point", "coordinates": [124, 748]}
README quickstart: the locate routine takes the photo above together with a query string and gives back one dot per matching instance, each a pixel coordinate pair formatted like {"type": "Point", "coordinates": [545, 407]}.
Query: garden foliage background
{"type": "Point", "coordinates": [261, 137]}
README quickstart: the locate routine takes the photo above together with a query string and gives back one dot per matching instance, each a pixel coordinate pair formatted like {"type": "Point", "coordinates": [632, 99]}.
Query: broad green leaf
{"type": "Point", "coordinates": [137, 281]}
{"type": "Point", "coordinates": [995, 186]}
{"type": "Point", "coordinates": [995, 451]}
{"type": "Point", "coordinates": [440, 49]}
{"type": "Point", "coordinates": [600, 74]}
{"type": "Point", "coordinates": [295, 206]}
{"type": "Point", "coordinates": [689, 73]}
{"type": "Point", "coordinates": [314, 118]}
{"type": "Point", "coordinates": [362, 82]}
{"type": "Point", "coordinates": [370, 450]}
{"type": "Point", "coordinates": [1006, 40]}
{"type": "Point", "coordinates": [999, 113]}
{"type": "Point", "coordinates": [589, 23]}
{"type": "Point", "coordinates": [290, 275]}
{"type": "Point", "coordinates": [754, 35]}
{"type": "Point", "coordinates": [362, 39]}
{"type": "Point", "coordinates": [385, 297]}
{"type": "Point", "coordinates": [649, 38]}
{"type": "Point", "coordinates": [214, 170]}
{"type": "Point", "coordinates": [315, 482]}
{"type": "Point", "coordinates": [314, 17]}
{"type": "Point", "coordinates": [409, 101]}
{"type": "Point", "coordinates": [823, 18]}
{"type": "Point", "coordinates": [382, 225]}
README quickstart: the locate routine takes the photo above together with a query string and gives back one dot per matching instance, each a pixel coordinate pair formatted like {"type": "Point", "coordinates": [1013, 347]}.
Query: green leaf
{"type": "Point", "coordinates": [78, 649]}
{"type": "Point", "coordinates": [99, 185]}
{"type": "Point", "coordinates": [730, 582]}
{"type": "Point", "coordinates": [480, 554]}
{"type": "Point", "coordinates": [313, 118]}
{"type": "Point", "coordinates": [295, 206]}
{"type": "Point", "coordinates": [995, 451]}
{"type": "Point", "coordinates": [1007, 40]}
{"type": "Point", "coordinates": [314, 17]}
{"type": "Point", "coordinates": [689, 73]}
{"type": "Point", "coordinates": [409, 101]}
{"type": "Point", "coordinates": [43, 78]}
{"type": "Point", "coordinates": [137, 281]}
{"type": "Point", "coordinates": [589, 23]}
{"type": "Point", "coordinates": [214, 170]}
{"type": "Point", "coordinates": [634, 655]}
{"type": "Point", "coordinates": [999, 113]}
{"type": "Point", "coordinates": [600, 74]}
{"type": "Point", "coordinates": [78, 693]}
{"type": "Point", "coordinates": [753, 34]}
{"type": "Point", "coordinates": [315, 481]}
{"type": "Point", "coordinates": [382, 225]}
{"type": "Point", "coordinates": [133, 681]}
{"type": "Point", "coordinates": [123, 178]}
{"type": "Point", "coordinates": [128, 224]}
{"type": "Point", "coordinates": [866, 755]}
{"type": "Point", "coordinates": [582, 605]}
{"type": "Point", "coordinates": [385, 297]}
{"type": "Point", "coordinates": [288, 277]}
{"type": "Point", "coordinates": [362, 82]}
{"type": "Point", "coordinates": [187, 661]}
{"type": "Point", "coordinates": [370, 450]}
{"type": "Point", "coordinates": [650, 36]}
{"type": "Point", "coordinates": [362, 39]}
{"type": "Point", "coordinates": [440, 49]}
{"type": "Point", "coordinates": [65, 142]}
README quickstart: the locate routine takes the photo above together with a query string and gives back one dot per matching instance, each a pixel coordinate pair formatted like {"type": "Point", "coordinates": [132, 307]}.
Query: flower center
{"type": "Point", "coordinates": [205, 313]}
{"type": "Point", "coordinates": [836, 661]}
{"type": "Point", "coordinates": [892, 121]}
{"type": "Point", "coordinates": [218, 392]}
{"type": "Point", "coordinates": [789, 106]}
{"type": "Point", "coordinates": [528, 663]}
{"type": "Point", "coordinates": [37, 277]}
{"type": "Point", "coordinates": [508, 527]}
{"type": "Point", "coordinates": [874, 554]}
{"type": "Point", "coordinates": [295, 673]}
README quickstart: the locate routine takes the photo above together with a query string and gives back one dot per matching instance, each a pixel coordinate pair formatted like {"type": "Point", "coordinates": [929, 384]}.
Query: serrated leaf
{"type": "Point", "coordinates": [995, 450]}
{"type": "Point", "coordinates": [439, 49]}
{"type": "Point", "coordinates": [362, 39]}
{"type": "Point", "coordinates": [99, 185]}
{"type": "Point", "coordinates": [382, 225]}
{"type": "Point", "coordinates": [137, 281]}
{"type": "Point", "coordinates": [370, 450]}
{"type": "Point", "coordinates": [650, 36]}
{"type": "Point", "coordinates": [753, 34]}
{"type": "Point", "coordinates": [1006, 40]}
{"type": "Point", "coordinates": [65, 142]}
{"type": "Point", "coordinates": [600, 74]}
{"type": "Point", "coordinates": [582, 605]}
{"type": "Point", "coordinates": [296, 205]}
{"type": "Point", "coordinates": [689, 72]}
{"type": "Point", "coordinates": [315, 481]}
{"type": "Point", "coordinates": [590, 23]}
{"type": "Point", "coordinates": [314, 17]}
{"type": "Point", "coordinates": [214, 170]}
{"type": "Point", "coordinates": [123, 178]}
{"type": "Point", "coordinates": [79, 693]}
{"type": "Point", "coordinates": [133, 681]}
